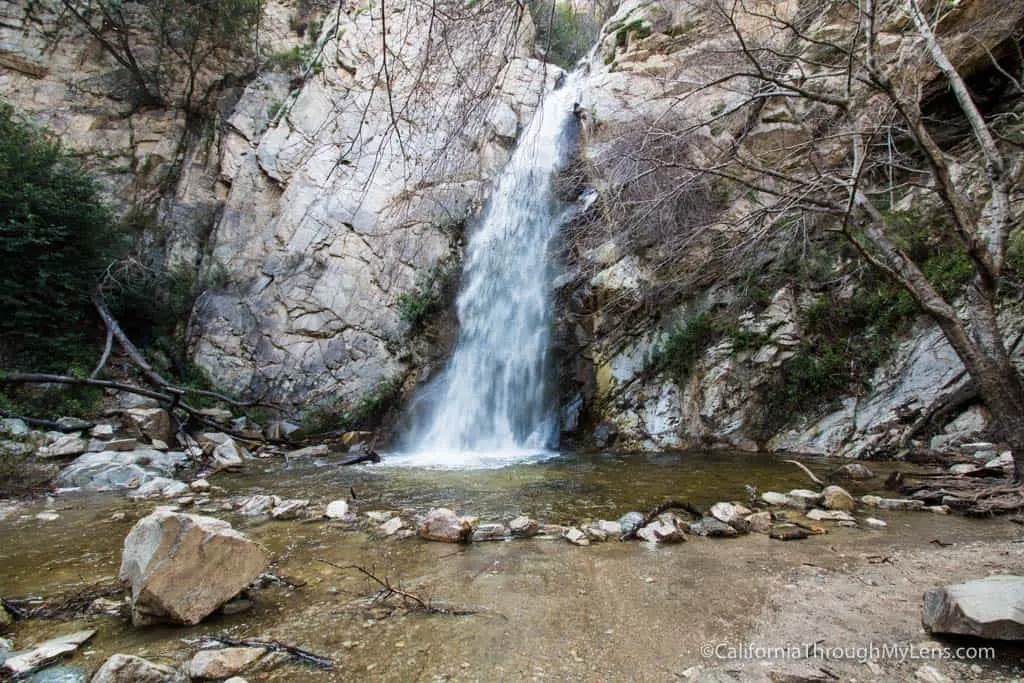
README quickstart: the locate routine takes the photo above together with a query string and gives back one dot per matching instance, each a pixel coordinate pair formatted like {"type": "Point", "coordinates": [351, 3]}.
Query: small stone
{"type": "Point", "coordinates": [788, 533]}
{"type": "Point", "coordinates": [873, 501]}
{"type": "Point", "coordinates": [121, 445]}
{"type": "Point", "coordinates": [523, 527]}
{"type": "Point", "coordinates": [630, 522]}
{"type": "Point", "coordinates": [200, 485]}
{"type": "Point", "coordinates": [289, 509]}
{"type": "Point", "coordinates": [964, 468]}
{"type": "Point", "coordinates": [854, 471]}
{"type": "Point", "coordinates": [224, 662]}
{"type": "Point", "coordinates": [712, 528]}
{"type": "Point", "coordinates": [490, 532]}
{"type": "Point", "coordinates": [317, 451]}
{"type": "Point", "coordinates": [103, 432]}
{"type": "Point", "coordinates": [444, 525]}
{"type": "Point", "coordinates": [610, 528]}
{"type": "Point", "coordinates": [900, 504]}
{"type": "Point", "coordinates": [68, 445]}
{"type": "Point", "coordinates": [48, 652]}
{"type": "Point", "coordinates": [838, 498]}
{"type": "Point", "coordinates": [131, 669]}
{"type": "Point", "coordinates": [938, 509]}
{"type": "Point", "coordinates": [830, 516]}
{"type": "Point", "coordinates": [1003, 460]}
{"type": "Point", "coordinates": [576, 536]}
{"type": "Point", "coordinates": [336, 509]}
{"type": "Point", "coordinates": [73, 424]}
{"type": "Point", "coordinates": [379, 516]}
{"type": "Point", "coordinates": [779, 499]}
{"type": "Point", "coordinates": [174, 489]}
{"type": "Point", "coordinates": [665, 532]}
{"type": "Point", "coordinates": [47, 516]}
{"type": "Point", "coordinates": [806, 496]}
{"type": "Point", "coordinates": [760, 522]}
{"type": "Point", "coordinates": [119, 516]}
{"type": "Point", "coordinates": [728, 512]}
{"type": "Point", "coordinates": [875, 523]}
{"type": "Point", "coordinates": [257, 505]}
{"type": "Point", "coordinates": [157, 444]}
{"type": "Point", "coordinates": [392, 526]}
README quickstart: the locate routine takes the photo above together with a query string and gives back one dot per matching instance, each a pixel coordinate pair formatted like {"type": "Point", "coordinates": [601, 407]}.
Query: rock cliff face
{"type": "Point", "coordinates": [324, 191]}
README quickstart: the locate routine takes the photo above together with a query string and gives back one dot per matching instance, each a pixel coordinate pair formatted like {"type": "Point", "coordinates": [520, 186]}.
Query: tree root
{"type": "Point", "coordinates": [808, 472]}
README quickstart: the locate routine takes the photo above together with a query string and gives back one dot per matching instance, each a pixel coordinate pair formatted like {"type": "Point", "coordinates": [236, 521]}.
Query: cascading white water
{"type": "Point", "coordinates": [492, 405]}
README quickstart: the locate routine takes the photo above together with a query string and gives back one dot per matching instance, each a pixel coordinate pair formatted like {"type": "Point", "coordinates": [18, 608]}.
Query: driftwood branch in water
{"type": "Point", "coordinates": [316, 660]}
{"type": "Point", "coordinates": [810, 474]}
{"type": "Point", "coordinates": [664, 507]}
{"type": "Point", "coordinates": [388, 589]}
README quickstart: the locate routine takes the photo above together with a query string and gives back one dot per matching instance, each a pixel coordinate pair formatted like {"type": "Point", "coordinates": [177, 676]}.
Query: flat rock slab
{"type": "Point", "coordinates": [46, 653]}
{"type": "Point", "coordinates": [987, 608]}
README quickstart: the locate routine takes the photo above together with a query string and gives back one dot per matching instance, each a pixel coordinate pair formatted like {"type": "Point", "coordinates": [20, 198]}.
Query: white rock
{"type": "Point", "coordinates": [830, 516]}
{"type": "Point", "coordinates": [131, 669]}
{"type": "Point", "coordinates": [876, 523]}
{"type": "Point", "coordinates": [523, 527]}
{"type": "Point", "coordinates": [317, 451]}
{"type": "Point", "coordinates": [391, 527]}
{"type": "Point", "coordinates": [576, 536]}
{"type": "Point", "coordinates": [66, 446]}
{"type": "Point", "coordinates": [991, 608]}
{"type": "Point", "coordinates": [289, 509]}
{"type": "Point", "coordinates": [490, 532]}
{"type": "Point", "coordinates": [224, 662]}
{"type": "Point", "coordinates": [442, 524]}
{"type": "Point", "coordinates": [929, 674]}
{"type": "Point", "coordinates": [336, 509]}
{"type": "Point", "coordinates": [806, 496]}
{"type": "Point", "coordinates": [729, 512]}
{"type": "Point", "coordinates": [838, 498]}
{"type": "Point", "coordinates": [200, 485]}
{"type": "Point", "coordinates": [46, 653]}
{"type": "Point", "coordinates": [1004, 459]}
{"type": "Point", "coordinates": [963, 468]}
{"type": "Point", "coordinates": [103, 431]}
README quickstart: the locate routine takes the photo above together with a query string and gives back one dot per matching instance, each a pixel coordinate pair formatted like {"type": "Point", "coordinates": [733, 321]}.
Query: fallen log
{"type": "Point", "coordinates": [368, 456]}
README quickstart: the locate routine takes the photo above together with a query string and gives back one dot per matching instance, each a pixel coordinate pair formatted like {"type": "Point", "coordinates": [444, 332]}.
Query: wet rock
{"type": "Point", "coordinates": [59, 674]}
{"type": "Point", "coordinates": [523, 527]}
{"type": "Point", "coordinates": [595, 533]}
{"type": "Point", "coordinates": [255, 506]}
{"type": "Point", "coordinates": [66, 446]}
{"type": "Point", "coordinates": [605, 434]}
{"type": "Point", "coordinates": [871, 500]}
{"type": "Point", "coordinates": [711, 527]}
{"type": "Point", "coordinates": [938, 509]}
{"type": "Point", "coordinates": [223, 663]}
{"type": "Point", "coordinates": [131, 669]}
{"type": "Point", "coordinates": [222, 449]}
{"type": "Point", "coordinates": [350, 439]}
{"type": "Point", "coordinates": [102, 432]}
{"type": "Point", "coordinates": [852, 471]}
{"type": "Point", "coordinates": [964, 468]}
{"type": "Point", "coordinates": [729, 512]}
{"type": "Point", "coordinates": [73, 424]}
{"type": "Point", "coordinates": [104, 472]}
{"type": "Point", "coordinates": [200, 485]}
{"type": "Point", "coordinates": [379, 516]}
{"type": "Point", "coordinates": [900, 504]}
{"type": "Point", "coordinates": [121, 445]}
{"type": "Point", "coordinates": [630, 522]}
{"type": "Point", "coordinates": [1004, 459]}
{"type": "Point", "coordinates": [875, 523]}
{"type": "Point", "coordinates": [986, 608]}
{"type": "Point", "coordinates": [153, 423]}
{"type": "Point", "coordinates": [830, 516]}
{"type": "Point", "coordinates": [336, 509]}
{"type": "Point", "coordinates": [13, 428]}
{"type": "Point", "coordinates": [661, 532]}
{"type": "Point", "coordinates": [318, 451]}
{"type": "Point", "coordinates": [289, 509]}
{"type": "Point", "coordinates": [180, 567]}
{"type": "Point", "coordinates": [805, 496]}
{"type": "Point", "coordinates": [838, 498]}
{"type": "Point", "coordinates": [396, 524]}
{"type": "Point", "coordinates": [779, 500]}
{"type": "Point", "coordinates": [576, 536]}
{"type": "Point", "coordinates": [444, 525]}
{"type": "Point", "coordinates": [5, 618]}
{"type": "Point", "coordinates": [613, 529]}
{"type": "Point", "coordinates": [788, 533]}
{"type": "Point", "coordinates": [490, 532]}
{"type": "Point", "coordinates": [760, 522]}
{"type": "Point", "coordinates": [45, 654]}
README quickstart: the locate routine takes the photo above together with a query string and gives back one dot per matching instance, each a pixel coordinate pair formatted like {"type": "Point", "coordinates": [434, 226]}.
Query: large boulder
{"type": "Point", "coordinates": [154, 423]}
{"type": "Point", "coordinates": [180, 568]}
{"type": "Point", "coordinates": [109, 470]}
{"type": "Point", "coordinates": [986, 608]}
{"type": "Point", "coordinates": [132, 669]}
{"type": "Point", "coordinates": [223, 662]}
{"type": "Point", "coordinates": [838, 498]}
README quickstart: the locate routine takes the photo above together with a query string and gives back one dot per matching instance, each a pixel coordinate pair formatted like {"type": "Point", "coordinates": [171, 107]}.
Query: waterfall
{"type": "Point", "coordinates": [493, 404]}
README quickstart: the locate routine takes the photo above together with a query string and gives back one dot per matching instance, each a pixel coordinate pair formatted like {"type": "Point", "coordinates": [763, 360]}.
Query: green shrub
{"type": "Point", "coordinates": [56, 237]}
{"type": "Point", "coordinates": [685, 344]}
{"type": "Point", "coordinates": [432, 293]}
{"type": "Point", "coordinates": [290, 60]}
